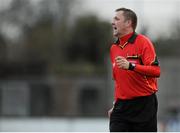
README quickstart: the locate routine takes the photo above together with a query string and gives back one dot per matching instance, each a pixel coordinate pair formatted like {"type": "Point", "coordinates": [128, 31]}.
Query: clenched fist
{"type": "Point", "coordinates": [122, 62]}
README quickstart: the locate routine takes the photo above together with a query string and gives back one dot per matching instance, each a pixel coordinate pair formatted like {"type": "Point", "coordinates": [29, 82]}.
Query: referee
{"type": "Point", "coordinates": [135, 72]}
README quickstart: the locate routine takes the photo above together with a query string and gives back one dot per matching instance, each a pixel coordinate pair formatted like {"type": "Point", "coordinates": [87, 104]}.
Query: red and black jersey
{"type": "Point", "coordinates": [142, 81]}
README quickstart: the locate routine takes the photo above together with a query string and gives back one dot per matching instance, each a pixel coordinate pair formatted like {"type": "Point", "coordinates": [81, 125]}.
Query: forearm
{"type": "Point", "coordinates": [148, 70]}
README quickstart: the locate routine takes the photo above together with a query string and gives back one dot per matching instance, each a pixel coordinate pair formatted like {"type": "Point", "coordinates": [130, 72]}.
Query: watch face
{"type": "Point", "coordinates": [132, 66]}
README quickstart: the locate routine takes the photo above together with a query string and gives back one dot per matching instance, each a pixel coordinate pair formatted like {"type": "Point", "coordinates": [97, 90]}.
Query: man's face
{"type": "Point", "coordinates": [119, 24]}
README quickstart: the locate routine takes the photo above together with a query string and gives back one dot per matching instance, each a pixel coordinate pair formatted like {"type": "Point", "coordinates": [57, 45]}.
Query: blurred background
{"type": "Point", "coordinates": [55, 71]}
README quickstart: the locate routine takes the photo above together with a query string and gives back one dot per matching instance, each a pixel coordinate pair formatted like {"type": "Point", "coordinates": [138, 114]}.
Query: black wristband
{"type": "Point", "coordinates": [131, 66]}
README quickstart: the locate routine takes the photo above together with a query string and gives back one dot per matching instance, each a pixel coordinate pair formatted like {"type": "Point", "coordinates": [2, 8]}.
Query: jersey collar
{"type": "Point", "coordinates": [130, 40]}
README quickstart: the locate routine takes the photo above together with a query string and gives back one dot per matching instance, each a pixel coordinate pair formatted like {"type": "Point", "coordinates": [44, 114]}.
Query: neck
{"type": "Point", "coordinates": [126, 32]}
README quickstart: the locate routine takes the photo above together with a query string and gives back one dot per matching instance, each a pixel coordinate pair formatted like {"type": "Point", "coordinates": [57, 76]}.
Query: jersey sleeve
{"type": "Point", "coordinates": [148, 53]}
{"type": "Point", "coordinates": [153, 71]}
{"type": "Point", "coordinates": [150, 65]}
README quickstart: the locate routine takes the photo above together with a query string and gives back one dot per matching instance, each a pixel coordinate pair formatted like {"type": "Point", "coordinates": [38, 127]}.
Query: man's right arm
{"type": "Point", "coordinates": [110, 112]}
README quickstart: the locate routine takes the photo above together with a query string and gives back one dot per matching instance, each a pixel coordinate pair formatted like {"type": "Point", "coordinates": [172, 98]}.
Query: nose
{"type": "Point", "coordinates": [113, 22]}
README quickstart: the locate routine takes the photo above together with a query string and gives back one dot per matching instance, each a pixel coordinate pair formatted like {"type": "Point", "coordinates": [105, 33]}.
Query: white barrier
{"type": "Point", "coordinates": [54, 125]}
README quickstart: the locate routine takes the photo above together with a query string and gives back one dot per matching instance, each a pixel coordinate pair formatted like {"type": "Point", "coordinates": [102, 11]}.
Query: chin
{"type": "Point", "coordinates": [115, 35]}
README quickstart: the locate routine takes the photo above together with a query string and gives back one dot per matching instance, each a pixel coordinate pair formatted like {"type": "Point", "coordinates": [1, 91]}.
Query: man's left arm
{"type": "Point", "coordinates": [147, 70]}
{"type": "Point", "coordinates": [150, 65]}
{"type": "Point", "coordinates": [150, 70]}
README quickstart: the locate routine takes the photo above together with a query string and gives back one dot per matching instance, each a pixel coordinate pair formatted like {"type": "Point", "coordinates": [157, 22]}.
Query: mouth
{"type": "Point", "coordinates": [115, 31]}
{"type": "Point", "coordinates": [114, 27]}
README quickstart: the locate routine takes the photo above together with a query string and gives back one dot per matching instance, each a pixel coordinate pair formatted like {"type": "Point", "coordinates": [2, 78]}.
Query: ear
{"type": "Point", "coordinates": [128, 23]}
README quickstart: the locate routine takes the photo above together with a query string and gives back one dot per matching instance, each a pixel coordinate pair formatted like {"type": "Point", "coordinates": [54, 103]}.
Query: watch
{"type": "Point", "coordinates": [131, 66]}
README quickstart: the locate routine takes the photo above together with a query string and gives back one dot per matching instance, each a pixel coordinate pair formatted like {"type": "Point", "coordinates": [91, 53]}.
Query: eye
{"type": "Point", "coordinates": [116, 18]}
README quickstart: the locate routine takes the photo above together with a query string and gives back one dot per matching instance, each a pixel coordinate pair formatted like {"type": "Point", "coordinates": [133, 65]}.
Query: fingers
{"type": "Point", "coordinates": [121, 62]}
{"type": "Point", "coordinates": [110, 112]}
{"type": "Point", "coordinates": [121, 65]}
{"type": "Point", "coordinates": [118, 58]}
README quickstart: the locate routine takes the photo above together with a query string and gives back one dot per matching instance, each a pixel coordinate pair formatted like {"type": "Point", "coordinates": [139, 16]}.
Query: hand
{"type": "Point", "coordinates": [122, 62]}
{"type": "Point", "coordinates": [110, 112]}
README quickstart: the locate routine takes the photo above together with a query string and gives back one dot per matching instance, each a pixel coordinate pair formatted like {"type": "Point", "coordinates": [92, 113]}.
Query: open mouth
{"type": "Point", "coordinates": [115, 30]}
{"type": "Point", "coordinates": [114, 27]}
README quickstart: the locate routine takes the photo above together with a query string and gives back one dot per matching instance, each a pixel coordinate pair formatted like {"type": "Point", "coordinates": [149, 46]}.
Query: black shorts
{"type": "Point", "coordinates": [136, 115]}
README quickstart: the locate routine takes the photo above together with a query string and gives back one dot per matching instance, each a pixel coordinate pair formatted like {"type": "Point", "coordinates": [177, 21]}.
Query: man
{"type": "Point", "coordinates": [135, 71]}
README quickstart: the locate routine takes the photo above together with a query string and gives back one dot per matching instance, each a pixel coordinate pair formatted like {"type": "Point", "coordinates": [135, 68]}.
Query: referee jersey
{"type": "Point", "coordinates": [142, 81]}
